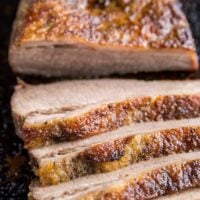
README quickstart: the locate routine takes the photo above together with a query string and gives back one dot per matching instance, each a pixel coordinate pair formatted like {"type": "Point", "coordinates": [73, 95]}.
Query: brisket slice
{"type": "Point", "coordinates": [192, 194]}
{"type": "Point", "coordinates": [72, 110]}
{"type": "Point", "coordinates": [127, 145]}
{"type": "Point", "coordinates": [145, 180]}
{"type": "Point", "coordinates": [76, 38]}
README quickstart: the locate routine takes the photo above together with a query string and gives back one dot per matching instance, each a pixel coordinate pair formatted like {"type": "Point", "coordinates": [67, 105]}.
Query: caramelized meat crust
{"type": "Point", "coordinates": [166, 180]}
{"type": "Point", "coordinates": [114, 155]}
{"type": "Point", "coordinates": [142, 147]}
{"type": "Point", "coordinates": [110, 117]}
{"type": "Point", "coordinates": [146, 23]}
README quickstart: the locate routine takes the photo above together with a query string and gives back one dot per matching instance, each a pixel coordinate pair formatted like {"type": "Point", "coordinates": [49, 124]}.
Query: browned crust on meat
{"type": "Point", "coordinates": [49, 20]}
{"type": "Point", "coordinates": [166, 180]}
{"type": "Point", "coordinates": [107, 152]}
{"type": "Point", "coordinates": [112, 116]}
{"type": "Point", "coordinates": [146, 145]}
{"type": "Point", "coordinates": [64, 170]}
{"type": "Point", "coordinates": [114, 155]}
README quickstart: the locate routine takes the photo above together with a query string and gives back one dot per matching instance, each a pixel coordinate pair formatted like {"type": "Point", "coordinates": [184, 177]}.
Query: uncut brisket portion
{"type": "Point", "coordinates": [127, 145]}
{"type": "Point", "coordinates": [84, 38]}
{"type": "Point", "coordinates": [151, 179]}
{"type": "Point", "coordinates": [72, 110]}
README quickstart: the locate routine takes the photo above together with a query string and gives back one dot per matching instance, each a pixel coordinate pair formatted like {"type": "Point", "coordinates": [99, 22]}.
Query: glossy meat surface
{"type": "Point", "coordinates": [142, 24]}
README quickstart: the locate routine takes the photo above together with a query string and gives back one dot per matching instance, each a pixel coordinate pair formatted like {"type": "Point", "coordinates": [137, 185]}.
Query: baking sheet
{"type": "Point", "coordinates": [15, 172]}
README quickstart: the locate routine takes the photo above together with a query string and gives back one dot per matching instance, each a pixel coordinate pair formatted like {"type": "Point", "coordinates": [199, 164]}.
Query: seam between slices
{"type": "Point", "coordinates": [108, 117]}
